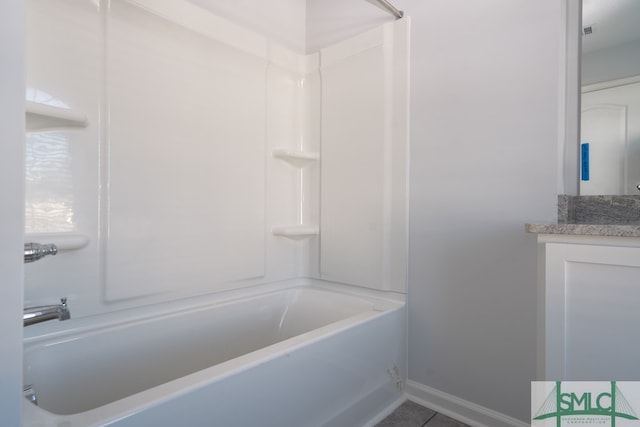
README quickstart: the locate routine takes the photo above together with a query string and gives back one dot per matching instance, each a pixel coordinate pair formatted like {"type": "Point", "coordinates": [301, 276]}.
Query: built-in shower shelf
{"type": "Point", "coordinates": [296, 158]}
{"type": "Point", "coordinates": [63, 241]}
{"type": "Point", "coordinates": [43, 117]}
{"type": "Point", "coordinates": [296, 231]}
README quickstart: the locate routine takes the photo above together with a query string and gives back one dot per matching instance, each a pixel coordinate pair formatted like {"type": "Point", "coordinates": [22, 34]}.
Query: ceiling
{"type": "Point", "coordinates": [613, 21]}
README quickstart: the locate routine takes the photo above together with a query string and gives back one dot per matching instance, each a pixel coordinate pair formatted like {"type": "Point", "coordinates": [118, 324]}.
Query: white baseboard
{"type": "Point", "coordinates": [459, 409]}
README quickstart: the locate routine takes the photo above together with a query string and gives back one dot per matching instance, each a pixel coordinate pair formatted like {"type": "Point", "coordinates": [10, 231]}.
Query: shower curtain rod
{"type": "Point", "coordinates": [385, 5]}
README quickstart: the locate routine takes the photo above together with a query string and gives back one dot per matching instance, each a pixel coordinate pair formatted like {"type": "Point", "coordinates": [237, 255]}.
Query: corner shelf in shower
{"type": "Point", "coordinates": [296, 232]}
{"type": "Point", "coordinates": [41, 117]}
{"type": "Point", "coordinates": [296, 158]}
{"type": "Point", "coordinates": [63, 241]}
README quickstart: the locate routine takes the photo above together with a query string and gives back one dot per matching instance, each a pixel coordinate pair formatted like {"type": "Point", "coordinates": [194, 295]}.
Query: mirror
{"type": "Point", "coordinates": [610, 119]}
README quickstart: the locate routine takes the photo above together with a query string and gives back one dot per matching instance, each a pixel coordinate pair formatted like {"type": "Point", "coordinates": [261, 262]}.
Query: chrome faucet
{"type": "Point", "coordinates": [43, 313]}
{"type": "Point", "coordinates": [36, 251]}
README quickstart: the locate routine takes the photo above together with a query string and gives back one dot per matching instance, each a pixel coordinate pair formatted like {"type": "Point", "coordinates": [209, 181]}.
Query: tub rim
{"type": "Point", "coordinates": [51, 330]}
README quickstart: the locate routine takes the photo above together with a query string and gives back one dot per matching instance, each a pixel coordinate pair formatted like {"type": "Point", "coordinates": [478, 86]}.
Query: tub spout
{"type": "Point", "coordinates": [43, 313]}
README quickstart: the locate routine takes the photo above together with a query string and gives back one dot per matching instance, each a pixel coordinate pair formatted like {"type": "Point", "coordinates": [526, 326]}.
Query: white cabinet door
{"type": "Point", "coordinates": [592, 312]}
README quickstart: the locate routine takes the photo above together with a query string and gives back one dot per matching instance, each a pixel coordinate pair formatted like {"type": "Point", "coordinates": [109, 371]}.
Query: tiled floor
{"type": "Point", "coordinates": [410, 414]}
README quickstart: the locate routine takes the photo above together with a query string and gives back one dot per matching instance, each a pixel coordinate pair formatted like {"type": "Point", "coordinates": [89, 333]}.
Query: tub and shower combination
{"type": "Point", "coordinates": [237, 276]}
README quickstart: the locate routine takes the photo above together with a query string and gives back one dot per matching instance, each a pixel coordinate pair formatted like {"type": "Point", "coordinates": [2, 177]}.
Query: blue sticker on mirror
{"type": "Point", "coordinates": [584, 161]}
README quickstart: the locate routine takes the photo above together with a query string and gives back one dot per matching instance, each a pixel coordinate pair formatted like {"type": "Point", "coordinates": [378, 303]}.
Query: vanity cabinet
{"type": "Point", "coordinates": [589, 308]}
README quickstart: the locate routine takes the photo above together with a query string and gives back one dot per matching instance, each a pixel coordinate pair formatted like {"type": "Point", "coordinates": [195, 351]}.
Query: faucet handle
{"type": "Point", "coordinates": [65, 314]}
{"type": "Point", "coordinates": [35, 251]}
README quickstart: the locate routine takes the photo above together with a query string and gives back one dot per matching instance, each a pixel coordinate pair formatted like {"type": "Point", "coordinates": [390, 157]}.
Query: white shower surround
{"type": "Point", "coordinates": [261, 167]}
{"type": "Point", "coordinates": [199, 202]}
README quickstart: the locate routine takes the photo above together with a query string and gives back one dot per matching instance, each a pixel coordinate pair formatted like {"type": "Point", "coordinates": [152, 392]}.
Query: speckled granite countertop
{"type": "Point", "coordinates": [586, 229]}
{"type": "Point", "coordinates": [616, 216]}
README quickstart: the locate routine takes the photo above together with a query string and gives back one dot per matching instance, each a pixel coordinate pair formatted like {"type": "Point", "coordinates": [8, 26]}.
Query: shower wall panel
{"type": "Point", "coordinates": [292, 126]}
{"type": "Point", "coordinates": [185, 195]}
{"type": "Point", "coordinates": [170, 183]}
{"type": "Point", "coordinates": [65, 70]}
{"type": "Point", "coordinates": [364, 159]}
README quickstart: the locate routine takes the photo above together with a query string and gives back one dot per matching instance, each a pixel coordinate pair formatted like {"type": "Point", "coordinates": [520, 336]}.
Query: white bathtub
{"type": "Point", "coordinates": [304, 356]}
